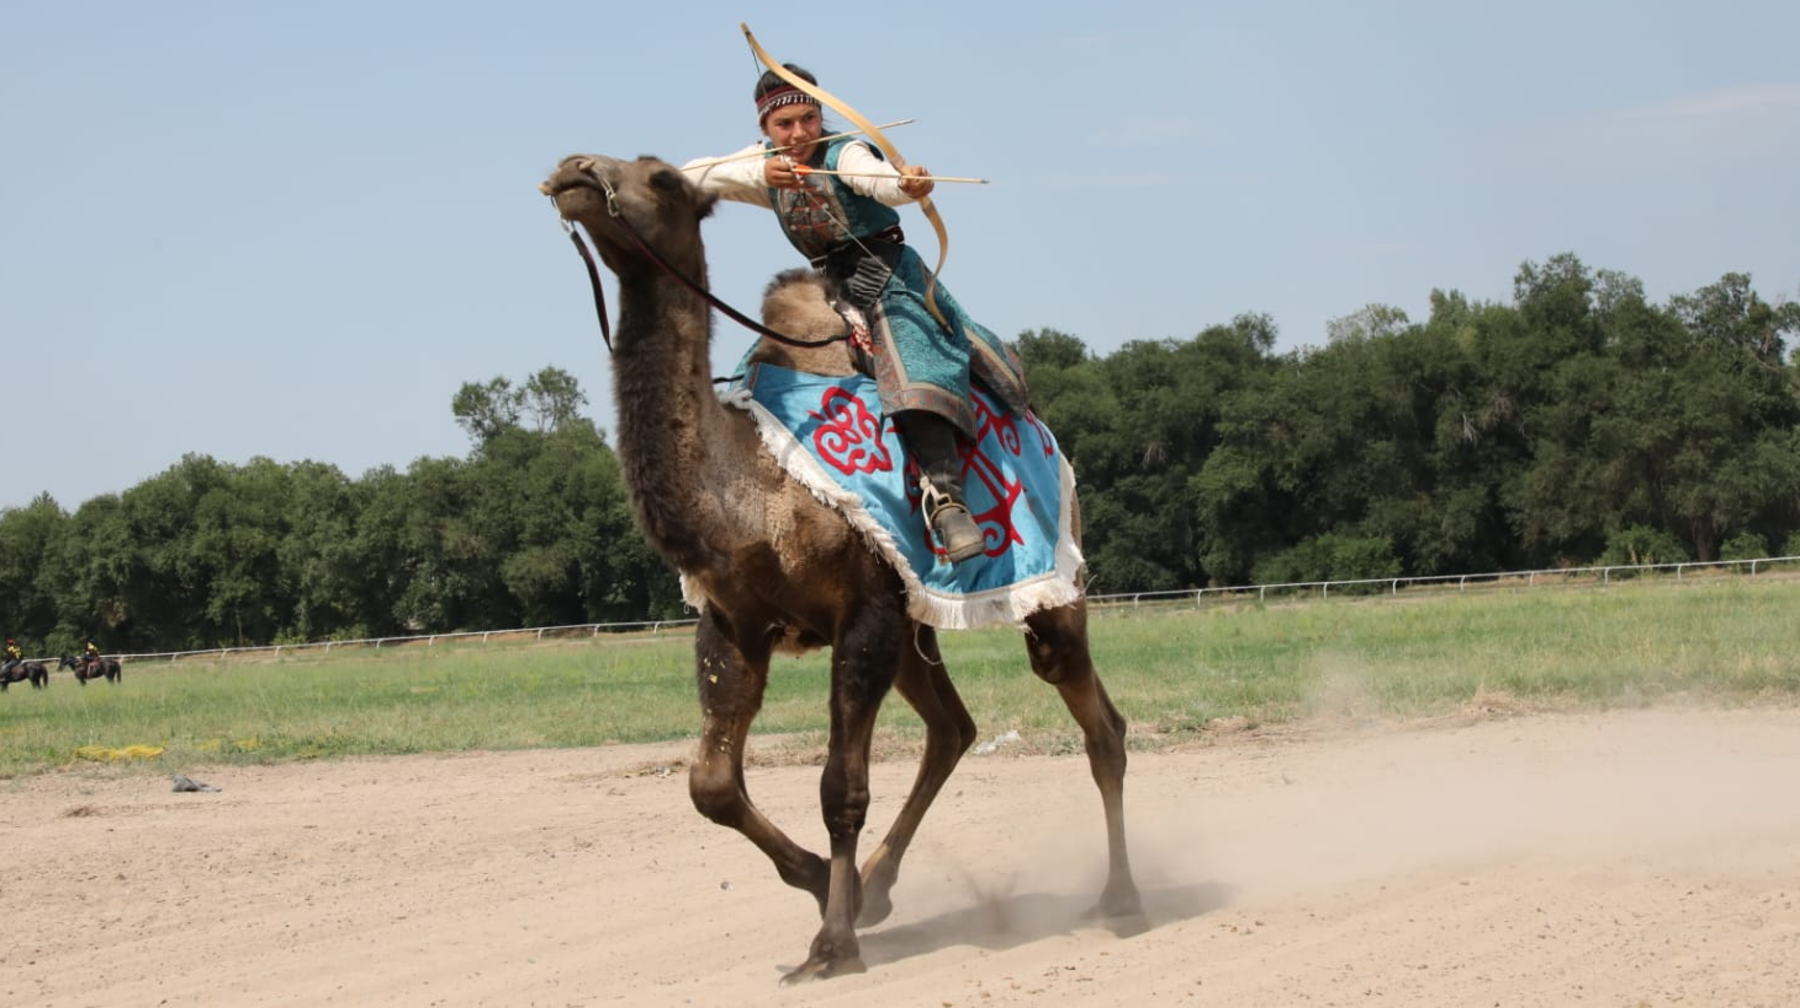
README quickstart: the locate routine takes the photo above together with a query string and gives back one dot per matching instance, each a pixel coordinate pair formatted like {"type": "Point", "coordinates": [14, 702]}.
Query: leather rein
{"type": "Point", "coordinates": [593, 272]}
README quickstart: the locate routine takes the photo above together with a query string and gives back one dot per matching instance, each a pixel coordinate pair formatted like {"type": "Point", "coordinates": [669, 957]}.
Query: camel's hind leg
{"type": "Point", "coordinates": [1058, 644]}
{"type": "Point", "coordinates": [949, 732]}
{"type": "Point", "coordinates": [731, 687]}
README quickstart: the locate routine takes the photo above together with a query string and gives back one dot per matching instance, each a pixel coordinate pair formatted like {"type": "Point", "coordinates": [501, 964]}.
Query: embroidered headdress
{"type": "Point", "coordinates": [780, 96]}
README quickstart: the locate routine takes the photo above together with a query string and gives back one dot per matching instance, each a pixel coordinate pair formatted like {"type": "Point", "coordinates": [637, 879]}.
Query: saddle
{"type": "Point", "coordinates": [829, 434]}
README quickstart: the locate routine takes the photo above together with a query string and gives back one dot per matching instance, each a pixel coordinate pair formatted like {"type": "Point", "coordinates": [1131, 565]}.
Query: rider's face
{"type": "Point", "coordinates": [795, 124]}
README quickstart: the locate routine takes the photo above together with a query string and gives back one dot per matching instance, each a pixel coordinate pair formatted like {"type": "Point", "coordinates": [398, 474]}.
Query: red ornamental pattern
{"type": "Point", "coordinates": [998, 532]}
{"type": "Point", "coordinates": [849, 439]}
{"type": "Point", "coordinates": [849, 436]}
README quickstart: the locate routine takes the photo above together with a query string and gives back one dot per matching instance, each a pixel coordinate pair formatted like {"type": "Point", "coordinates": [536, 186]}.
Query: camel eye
{"type": "Point", "coordinates": [668, 180]}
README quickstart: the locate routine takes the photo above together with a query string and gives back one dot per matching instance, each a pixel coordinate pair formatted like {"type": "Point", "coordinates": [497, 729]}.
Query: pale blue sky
{"type": "Point", "coordinates": [295, 230]}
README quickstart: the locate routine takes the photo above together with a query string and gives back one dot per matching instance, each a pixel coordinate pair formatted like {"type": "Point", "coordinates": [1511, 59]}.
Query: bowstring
{"type": "Point", "coordinates": [815, 200]}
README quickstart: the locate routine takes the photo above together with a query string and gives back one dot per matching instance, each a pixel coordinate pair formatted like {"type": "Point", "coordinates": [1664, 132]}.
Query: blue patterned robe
{"type": "Point", "coordinates": [917, 364]}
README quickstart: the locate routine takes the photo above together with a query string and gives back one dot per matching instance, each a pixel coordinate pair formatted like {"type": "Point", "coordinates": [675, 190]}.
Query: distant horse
{"type": "Point", "coordinates": [34, 671]}
{"type": "Point", "coordinates": [91, 668]}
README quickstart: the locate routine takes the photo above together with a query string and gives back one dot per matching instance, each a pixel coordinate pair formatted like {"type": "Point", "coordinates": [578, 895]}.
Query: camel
{"type": "Point", "coordinates": [782, 573]}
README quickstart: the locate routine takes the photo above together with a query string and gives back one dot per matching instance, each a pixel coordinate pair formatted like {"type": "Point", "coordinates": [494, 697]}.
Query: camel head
{"type": "Point", "coordinates": [654, 199]}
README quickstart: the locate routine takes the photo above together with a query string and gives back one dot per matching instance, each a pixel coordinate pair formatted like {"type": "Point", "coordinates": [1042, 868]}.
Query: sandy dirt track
{"type": "Point", "coordinates": [1643, 858]}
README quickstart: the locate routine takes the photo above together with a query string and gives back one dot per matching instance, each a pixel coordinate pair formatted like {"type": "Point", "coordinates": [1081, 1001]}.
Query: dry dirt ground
{"type": "Point", "coordinates": [1642, 858]}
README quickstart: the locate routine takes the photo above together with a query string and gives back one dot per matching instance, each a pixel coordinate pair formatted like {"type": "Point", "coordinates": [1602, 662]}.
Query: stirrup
{"type": "Point", "coordinates": [949, 518]}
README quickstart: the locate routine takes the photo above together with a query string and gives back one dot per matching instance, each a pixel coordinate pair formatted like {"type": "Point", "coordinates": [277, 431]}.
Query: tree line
{"type": "Point", "coordinates": [532, 528]}
{"type": "Point", "coordinates": [1578, 424]}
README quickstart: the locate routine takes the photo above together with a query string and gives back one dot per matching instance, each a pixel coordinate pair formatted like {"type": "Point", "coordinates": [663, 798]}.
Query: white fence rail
{"type": "Point", "coordinates": [1561, 576]}
{"type": "Point", "coordinates": [1463, 582]}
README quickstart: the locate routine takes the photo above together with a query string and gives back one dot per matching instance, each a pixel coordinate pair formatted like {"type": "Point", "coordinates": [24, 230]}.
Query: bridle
{"type": "Point", "coordinates": [593, 271]}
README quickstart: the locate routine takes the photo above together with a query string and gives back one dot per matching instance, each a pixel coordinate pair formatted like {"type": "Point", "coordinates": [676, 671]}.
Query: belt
{"type": "Point", "coordinates": [890, 236]}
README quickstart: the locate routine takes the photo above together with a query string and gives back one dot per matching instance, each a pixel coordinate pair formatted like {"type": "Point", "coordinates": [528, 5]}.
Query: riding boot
{"type": "Point", "coordinates": [932, 441]}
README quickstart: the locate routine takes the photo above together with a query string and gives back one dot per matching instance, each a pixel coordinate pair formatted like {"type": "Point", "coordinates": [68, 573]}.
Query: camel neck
{"type": "Point", "coordinates": [670, 419]}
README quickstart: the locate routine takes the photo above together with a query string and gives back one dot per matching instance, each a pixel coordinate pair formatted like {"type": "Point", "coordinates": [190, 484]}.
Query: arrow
{"type": "Point", "coordinates": [804, 170]}
{"type": "Point", "coordinates": [760, 151]}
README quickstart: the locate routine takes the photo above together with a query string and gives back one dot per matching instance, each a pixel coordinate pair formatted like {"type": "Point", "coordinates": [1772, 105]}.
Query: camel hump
{"type": "Point", "coordinates": [797, 304]}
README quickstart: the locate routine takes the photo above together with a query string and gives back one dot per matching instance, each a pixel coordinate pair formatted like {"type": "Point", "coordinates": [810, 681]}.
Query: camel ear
{"type": "Point", "coordinates": [671, 181]}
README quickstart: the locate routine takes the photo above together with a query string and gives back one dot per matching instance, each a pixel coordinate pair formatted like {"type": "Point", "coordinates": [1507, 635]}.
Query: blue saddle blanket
{"type": "Point", "coordinates": [828, 433]}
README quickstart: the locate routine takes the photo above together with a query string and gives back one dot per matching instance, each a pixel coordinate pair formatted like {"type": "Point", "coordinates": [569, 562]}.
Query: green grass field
{"type": "Point", "coordinates": [1171, 669]}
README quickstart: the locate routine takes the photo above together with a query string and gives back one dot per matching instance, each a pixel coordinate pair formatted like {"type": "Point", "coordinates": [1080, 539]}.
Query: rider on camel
{"type": "Point", "coordinates": [834, 198]}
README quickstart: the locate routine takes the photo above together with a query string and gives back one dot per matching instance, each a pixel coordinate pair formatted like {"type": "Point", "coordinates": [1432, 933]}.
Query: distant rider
{"type": "Point", "coordinates": [13, 655]}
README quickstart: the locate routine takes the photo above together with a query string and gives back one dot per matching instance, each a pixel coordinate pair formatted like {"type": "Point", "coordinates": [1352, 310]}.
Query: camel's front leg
{"type": "Point", "coordinates": [862, 670]}
{"type": "Point", "coordinates": [949, 732]}
{"type": "Point", "coordinates": [731, 692]}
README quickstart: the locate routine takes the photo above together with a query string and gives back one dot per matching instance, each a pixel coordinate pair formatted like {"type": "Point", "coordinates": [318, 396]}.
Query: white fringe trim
{"type": "Point", "coordinates": [943, 610]}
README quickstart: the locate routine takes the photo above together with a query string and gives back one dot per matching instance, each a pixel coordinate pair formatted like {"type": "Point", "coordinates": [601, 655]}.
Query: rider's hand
{"type": "Point", "coordinates": [913, 184]}
{"type": "Point", "coordinates": [779, 173]}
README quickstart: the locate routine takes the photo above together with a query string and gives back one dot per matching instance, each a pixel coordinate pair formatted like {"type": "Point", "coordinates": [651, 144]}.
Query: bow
{"type": "Point", "coordinates": [874, 133]}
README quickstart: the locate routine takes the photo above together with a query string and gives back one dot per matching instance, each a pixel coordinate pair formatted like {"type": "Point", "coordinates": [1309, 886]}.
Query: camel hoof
{"type": "Point", "coordinates": [824, 969]}
{"type": "Point", "coordinates": [1121, 910]}
{"type": "Point", "coordinates": [1127, 925]}
{"type": "Point", "coordinates": [1123, 917]}
{"type": "Point", "coordinates": [875, 908]}
{"type": "Point", "coordinates": [813, 876]}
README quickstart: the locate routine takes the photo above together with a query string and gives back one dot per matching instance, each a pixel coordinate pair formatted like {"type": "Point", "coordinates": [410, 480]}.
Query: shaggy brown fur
{"type": "Point", "coordinates": [779, 570]}
{"type": "Point", "coordinates": [797, 304]}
